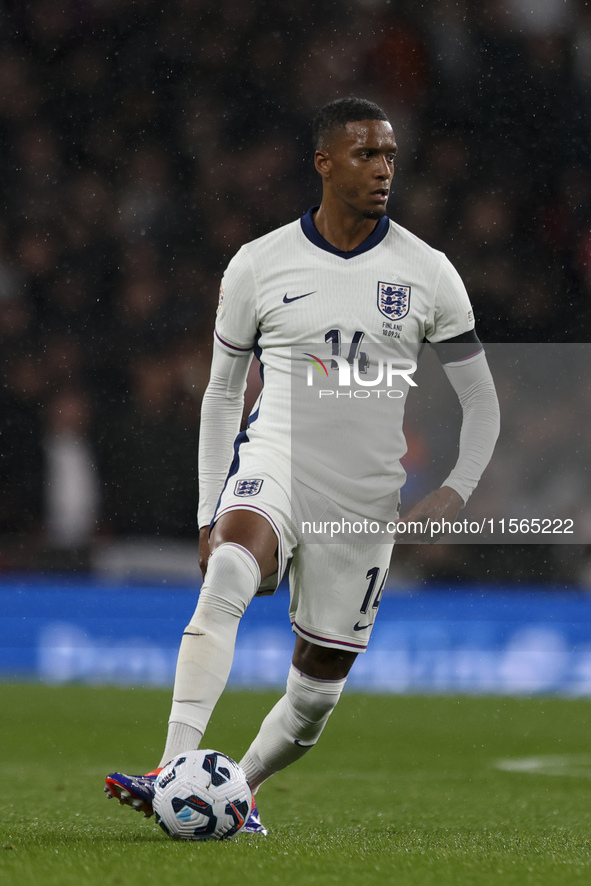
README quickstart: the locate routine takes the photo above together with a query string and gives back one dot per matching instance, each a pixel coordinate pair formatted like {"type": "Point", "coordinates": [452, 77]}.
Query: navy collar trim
{"type": "Point", "coordinates": [314, 236]}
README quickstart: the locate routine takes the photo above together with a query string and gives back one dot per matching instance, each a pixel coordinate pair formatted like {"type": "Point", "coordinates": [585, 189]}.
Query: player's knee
{"type": "Point", "coordinates": [232, 580]}
{"type": "Point", "coordinates": [321, 661]}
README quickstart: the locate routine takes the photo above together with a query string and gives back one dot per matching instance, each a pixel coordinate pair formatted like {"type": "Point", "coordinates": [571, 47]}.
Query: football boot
{"type": "Point", "coordinates": [136, 791]}
{"type": "Point", "coordinates": [254, 824]}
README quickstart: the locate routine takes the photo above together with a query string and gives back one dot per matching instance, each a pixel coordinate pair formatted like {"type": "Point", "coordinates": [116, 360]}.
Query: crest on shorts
{"type": "Point", "coordinates": [393, 300]}
{"type": "Point", "coordinates": [247, 487]}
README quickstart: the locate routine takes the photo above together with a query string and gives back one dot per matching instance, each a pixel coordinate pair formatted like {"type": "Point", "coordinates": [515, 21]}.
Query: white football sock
{"type": "Point", "coordinates": [207, 648]}
{"type": "Point", "coordinates": [180, 738]}
{"type": "Point", "coordinates": [293, 726]}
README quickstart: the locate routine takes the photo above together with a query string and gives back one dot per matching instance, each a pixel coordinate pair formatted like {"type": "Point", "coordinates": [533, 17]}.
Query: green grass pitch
{"type": "Point", "coordinates": [400, 790]}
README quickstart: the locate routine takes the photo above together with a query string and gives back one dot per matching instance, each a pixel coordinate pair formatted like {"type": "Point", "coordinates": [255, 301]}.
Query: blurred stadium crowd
{"type": "Point", "coordinates": [143, 142]}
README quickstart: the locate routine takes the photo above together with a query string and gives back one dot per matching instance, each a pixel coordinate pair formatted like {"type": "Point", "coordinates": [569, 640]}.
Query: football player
{"type": "Point", "coordinates": [350, 279]}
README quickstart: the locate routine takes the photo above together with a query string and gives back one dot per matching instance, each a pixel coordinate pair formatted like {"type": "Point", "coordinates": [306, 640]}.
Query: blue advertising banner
{"type": "Point", "coordinates": [472, 640]}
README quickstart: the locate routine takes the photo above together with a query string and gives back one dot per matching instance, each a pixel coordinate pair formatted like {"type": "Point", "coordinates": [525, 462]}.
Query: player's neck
{"type": "Point", "coordinates": [342, 230]}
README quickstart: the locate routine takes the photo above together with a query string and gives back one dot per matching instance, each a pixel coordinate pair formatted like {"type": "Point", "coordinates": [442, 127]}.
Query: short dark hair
{"type": "Point", "coordinates": [336, 115]}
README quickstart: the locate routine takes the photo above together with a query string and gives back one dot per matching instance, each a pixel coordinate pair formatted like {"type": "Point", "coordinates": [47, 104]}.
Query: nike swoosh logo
{"type": "Point", "coordinates": [300, 745]}
{"type": "Point", "coordinates": [287, 300]}
{"type": "Point", "coordinates": [240, 818]}
{"type": "Point", "coordinates": [359, 627]}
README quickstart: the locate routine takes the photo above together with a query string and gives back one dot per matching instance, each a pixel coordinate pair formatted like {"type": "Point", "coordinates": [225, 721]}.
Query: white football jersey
{"type": "Point", "coordinates": [301, 304]}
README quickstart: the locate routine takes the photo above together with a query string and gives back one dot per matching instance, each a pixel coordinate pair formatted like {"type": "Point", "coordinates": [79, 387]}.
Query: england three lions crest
{"type": "Point", "coordinates": [247, 487]}
{"type": "Point", "coordinates": [393, 300]}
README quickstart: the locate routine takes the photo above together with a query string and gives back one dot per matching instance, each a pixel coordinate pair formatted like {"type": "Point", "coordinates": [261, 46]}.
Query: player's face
{"type": "Point", "coordinates": [359, 166]}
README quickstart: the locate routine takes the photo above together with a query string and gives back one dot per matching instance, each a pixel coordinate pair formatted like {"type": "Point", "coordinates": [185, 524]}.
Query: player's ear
{"type": "Point", "coordinates": [322, 162]}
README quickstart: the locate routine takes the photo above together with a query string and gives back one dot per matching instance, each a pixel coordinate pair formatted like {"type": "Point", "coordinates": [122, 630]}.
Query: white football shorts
{"type": "Point", "coordinates": [335, 589]}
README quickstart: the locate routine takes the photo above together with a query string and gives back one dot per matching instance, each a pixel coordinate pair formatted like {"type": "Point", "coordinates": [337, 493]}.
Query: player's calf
{"type": "Point", "coordinates": [293, 727]}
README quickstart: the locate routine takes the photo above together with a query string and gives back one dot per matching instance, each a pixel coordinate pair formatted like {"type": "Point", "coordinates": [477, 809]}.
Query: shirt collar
{"type": "Point", "coordinates": [314, 236]}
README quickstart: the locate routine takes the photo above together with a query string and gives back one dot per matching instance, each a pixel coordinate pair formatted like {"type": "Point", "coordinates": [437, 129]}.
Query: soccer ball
{"type": "Point", "coordinates": [202, 795]}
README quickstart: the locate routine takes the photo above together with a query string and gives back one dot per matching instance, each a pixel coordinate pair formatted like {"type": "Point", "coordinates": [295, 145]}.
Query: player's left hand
{"type": "Point", "coordinates": [442, 504]}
